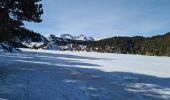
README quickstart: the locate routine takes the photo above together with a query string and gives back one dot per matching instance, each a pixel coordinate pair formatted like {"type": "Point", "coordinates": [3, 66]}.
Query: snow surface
{"type": "Point", "coordinates": [66, 75]}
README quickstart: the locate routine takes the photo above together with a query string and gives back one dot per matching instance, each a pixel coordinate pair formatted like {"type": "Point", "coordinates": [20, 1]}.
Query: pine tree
{"type": "Point", "coordinates": [14, 12]}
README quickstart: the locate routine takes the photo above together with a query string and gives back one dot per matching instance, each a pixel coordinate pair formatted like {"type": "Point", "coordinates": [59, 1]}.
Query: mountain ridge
{"type": "Point", "coordinates": [78, 37]}
{"type": "Point", "coordinates": [158, 45]}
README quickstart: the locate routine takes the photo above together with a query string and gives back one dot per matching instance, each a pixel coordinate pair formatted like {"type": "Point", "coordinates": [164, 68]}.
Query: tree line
{"type": "Point", "coordinates": [157, 45]}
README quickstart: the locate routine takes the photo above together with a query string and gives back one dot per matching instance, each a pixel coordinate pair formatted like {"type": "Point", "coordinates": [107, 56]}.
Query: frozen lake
{"type": "Point", "coordinates": [65, 75]}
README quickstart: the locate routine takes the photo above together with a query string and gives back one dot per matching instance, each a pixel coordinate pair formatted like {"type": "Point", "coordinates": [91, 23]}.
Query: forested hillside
{"type": "Point", "coordinates": [156, 45]}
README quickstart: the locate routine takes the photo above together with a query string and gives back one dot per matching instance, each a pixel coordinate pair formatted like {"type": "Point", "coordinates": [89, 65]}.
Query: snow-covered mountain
{"type": "Point", "coordinates": [80, 37]}
{"type": "Point", "coordinates": [84, 38]}
{"type": "Point", "coordinates": [67, 36]}
{"type": "Point", "coordinates": [67, 42]}
{"type": "Point", "coordinates": [99, 38]}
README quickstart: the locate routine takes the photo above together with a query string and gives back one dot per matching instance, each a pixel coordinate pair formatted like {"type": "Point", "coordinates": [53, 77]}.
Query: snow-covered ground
{"type": "Point", "coordinates": [65, 75]}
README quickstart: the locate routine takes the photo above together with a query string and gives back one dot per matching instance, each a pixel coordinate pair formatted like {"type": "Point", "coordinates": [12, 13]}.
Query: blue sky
{"type": "Point", "coordinates": [104, 18]}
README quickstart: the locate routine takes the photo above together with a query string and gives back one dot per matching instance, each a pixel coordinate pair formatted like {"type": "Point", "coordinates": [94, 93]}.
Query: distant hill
{"type": "Point", "coordinates": [156, 45]}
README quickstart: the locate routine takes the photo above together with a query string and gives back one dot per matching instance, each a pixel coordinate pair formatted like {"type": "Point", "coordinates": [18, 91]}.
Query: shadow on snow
{"type": "Point", "coordinates": [25, 77]}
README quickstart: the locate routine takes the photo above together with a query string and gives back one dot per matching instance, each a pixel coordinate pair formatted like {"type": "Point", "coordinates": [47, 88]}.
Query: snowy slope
{"type": "Point", "coordinates": [58, 75]}
{"type": "Point", "coordinates": [31, 43]}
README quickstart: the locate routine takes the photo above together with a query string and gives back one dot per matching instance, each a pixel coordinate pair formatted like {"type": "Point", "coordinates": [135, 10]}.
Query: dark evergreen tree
{"type": "Point", "coordinates": [14, 12]}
